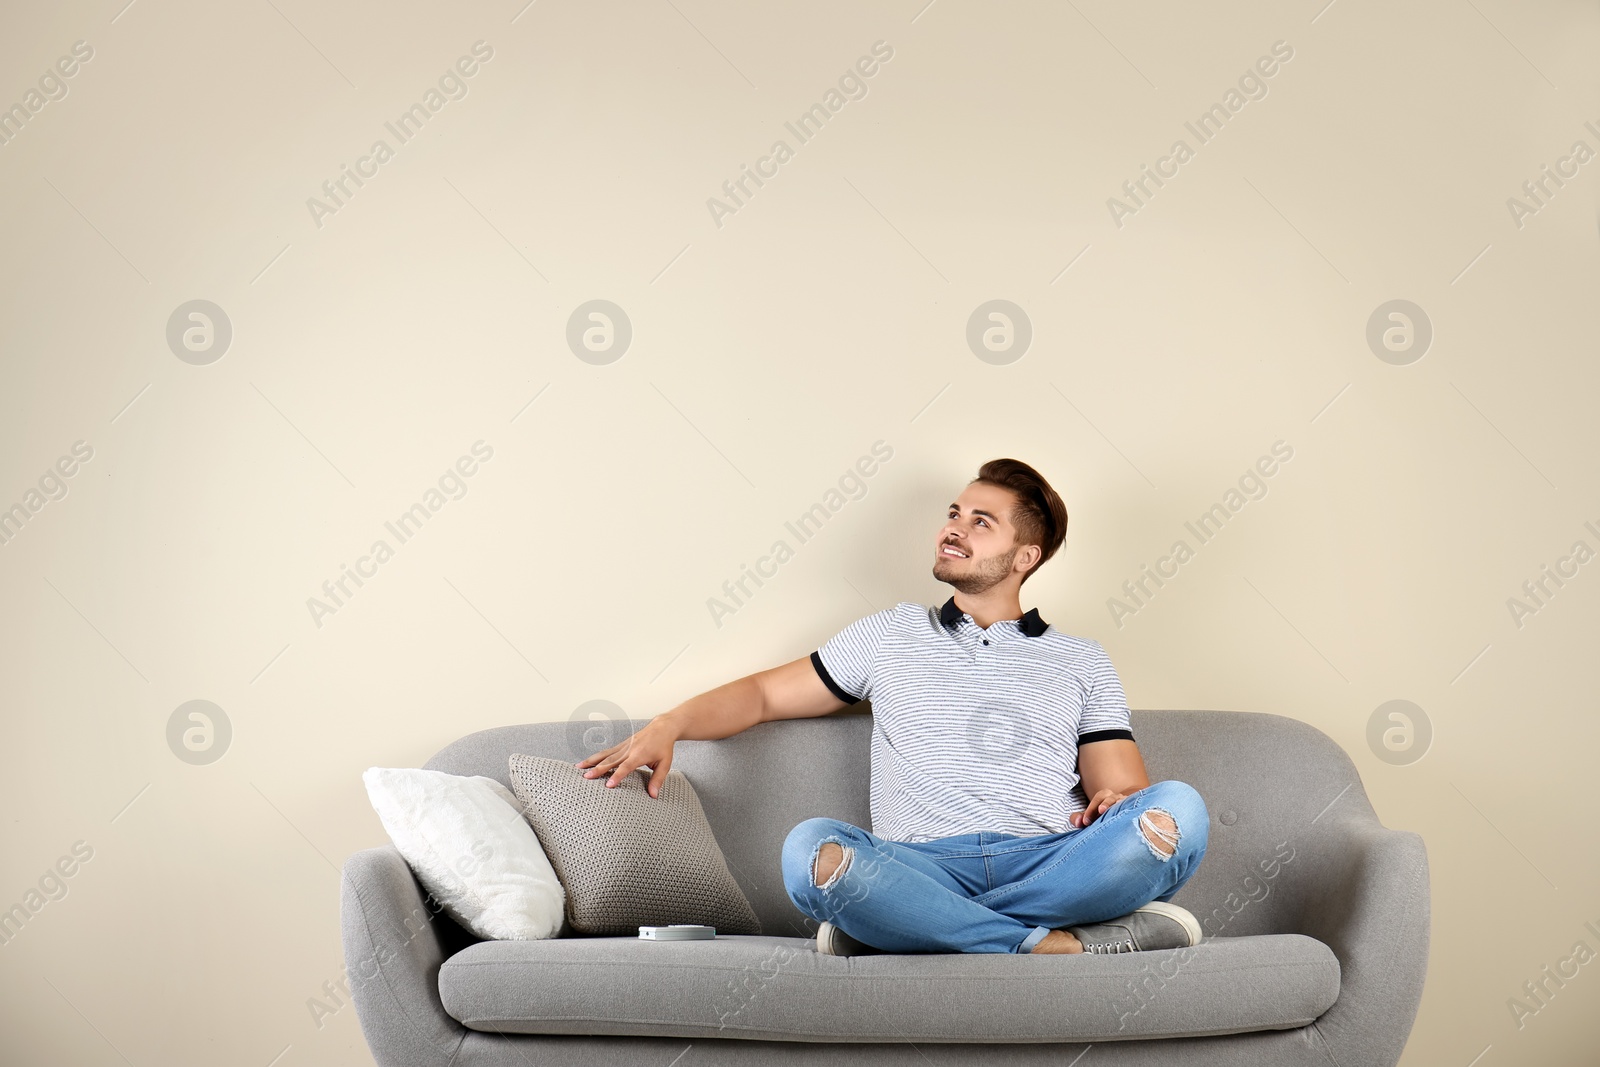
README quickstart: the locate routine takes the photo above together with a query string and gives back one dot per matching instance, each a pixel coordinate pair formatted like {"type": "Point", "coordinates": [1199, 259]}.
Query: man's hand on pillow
{"type": "Point", "coordinates": [650, 746]}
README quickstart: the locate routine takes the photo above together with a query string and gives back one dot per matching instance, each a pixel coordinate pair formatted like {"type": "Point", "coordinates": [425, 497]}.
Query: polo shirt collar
{"type": "Point", "coordinates": [1031, 624]}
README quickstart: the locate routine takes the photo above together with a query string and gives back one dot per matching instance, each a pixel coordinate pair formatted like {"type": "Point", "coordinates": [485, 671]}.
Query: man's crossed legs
{"type": "Point", "coordinates": [994, 892]}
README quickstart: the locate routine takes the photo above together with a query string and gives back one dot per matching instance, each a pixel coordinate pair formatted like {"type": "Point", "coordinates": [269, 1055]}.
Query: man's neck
{"type": "Point", "coordinates": [989, 608]}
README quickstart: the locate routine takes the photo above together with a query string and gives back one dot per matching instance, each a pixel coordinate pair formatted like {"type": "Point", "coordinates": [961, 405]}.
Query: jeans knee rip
{"type": "Point", "coordinates": [1145, 823]}
{"type": "Point", "coordinates": [844, 862]}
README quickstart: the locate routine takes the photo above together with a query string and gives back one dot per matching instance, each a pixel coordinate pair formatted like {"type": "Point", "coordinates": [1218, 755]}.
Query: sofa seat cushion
{"type": "Point", "coordinates": [761, 987]}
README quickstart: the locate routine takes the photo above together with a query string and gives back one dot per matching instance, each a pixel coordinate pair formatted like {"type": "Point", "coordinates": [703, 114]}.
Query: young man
{"type": "Point", "coordinates": [1011, 809]}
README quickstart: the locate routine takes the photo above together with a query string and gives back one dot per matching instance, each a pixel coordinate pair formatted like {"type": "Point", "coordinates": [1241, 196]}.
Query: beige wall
{"type": "Point", "coordinates": [374, 344]}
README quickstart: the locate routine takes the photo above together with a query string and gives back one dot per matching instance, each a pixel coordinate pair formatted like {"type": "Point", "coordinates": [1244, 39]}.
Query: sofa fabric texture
{"type": "Point", "coordinates": [1315, 921]}
{"type": "Point", "coordinates": [625, 858]}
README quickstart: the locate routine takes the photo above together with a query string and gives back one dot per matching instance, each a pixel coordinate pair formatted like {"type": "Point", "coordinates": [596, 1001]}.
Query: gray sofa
{"type": "Point", "coordinates": [1316, 921]}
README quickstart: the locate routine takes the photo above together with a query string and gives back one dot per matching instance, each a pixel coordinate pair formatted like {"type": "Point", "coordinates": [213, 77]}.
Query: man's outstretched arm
{"type": "Point", "coordinates": [792, 691]}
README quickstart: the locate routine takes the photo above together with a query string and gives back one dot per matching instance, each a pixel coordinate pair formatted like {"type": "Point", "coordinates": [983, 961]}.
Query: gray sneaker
{"type": "Point", "coordinates": [832, 941]}
{"type": "Point", "coordinates": [1156, 925]}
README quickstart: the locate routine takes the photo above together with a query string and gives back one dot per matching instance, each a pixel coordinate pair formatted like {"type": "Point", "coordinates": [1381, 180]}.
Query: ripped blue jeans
{"type": "Point", "coordinates": [994, 892]}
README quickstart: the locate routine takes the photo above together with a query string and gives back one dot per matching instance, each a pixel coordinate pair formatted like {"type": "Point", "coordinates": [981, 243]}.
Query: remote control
{"type": "Point", "coordinates": [678, 932]}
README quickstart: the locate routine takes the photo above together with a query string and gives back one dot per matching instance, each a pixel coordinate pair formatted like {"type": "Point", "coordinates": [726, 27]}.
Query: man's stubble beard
{"type": "Point", "coordinates": [985, 576]}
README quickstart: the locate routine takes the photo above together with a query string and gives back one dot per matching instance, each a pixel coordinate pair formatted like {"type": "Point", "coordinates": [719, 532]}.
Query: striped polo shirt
{"type": "Point", "coordinates": [972, 728]}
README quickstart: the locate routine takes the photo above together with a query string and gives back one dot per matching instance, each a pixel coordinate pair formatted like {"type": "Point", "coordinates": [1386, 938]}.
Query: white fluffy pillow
{"type": "Point", "coordinates": [469, 845]}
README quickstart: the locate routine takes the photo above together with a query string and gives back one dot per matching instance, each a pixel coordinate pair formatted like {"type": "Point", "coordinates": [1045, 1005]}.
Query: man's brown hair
{"type": "Point", "coordinates": [1037, 513]}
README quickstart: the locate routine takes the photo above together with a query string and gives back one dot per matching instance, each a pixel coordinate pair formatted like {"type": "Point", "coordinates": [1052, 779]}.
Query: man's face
{"type": "Point", "coordinates": [978, 526]}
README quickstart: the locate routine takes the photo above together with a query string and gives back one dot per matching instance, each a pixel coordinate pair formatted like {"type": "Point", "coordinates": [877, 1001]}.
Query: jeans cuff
{"type": "Point", "coordinates": [1033, 939]}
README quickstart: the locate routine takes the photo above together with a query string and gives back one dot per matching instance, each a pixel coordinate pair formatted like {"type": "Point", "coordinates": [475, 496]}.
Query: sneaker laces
{"type": "Point", "coordinates": [1125, 945]}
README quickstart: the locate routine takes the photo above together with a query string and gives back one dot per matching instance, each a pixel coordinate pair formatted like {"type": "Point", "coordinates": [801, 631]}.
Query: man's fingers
{"type": "Point", "coordinates": [603, 764]}
{"type": "Point", "coordinates": [1102, 802]}
{"type": "Point", "coordinates": [599, 757]}
{"type": "Point", "coordinates": [598, 767]}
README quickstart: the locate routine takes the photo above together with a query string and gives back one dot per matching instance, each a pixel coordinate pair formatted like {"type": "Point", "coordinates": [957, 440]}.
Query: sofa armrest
{"type": "Point", "coordinates": [1366, 896]}
{"type": "Point", "coordinates": [395, 937]}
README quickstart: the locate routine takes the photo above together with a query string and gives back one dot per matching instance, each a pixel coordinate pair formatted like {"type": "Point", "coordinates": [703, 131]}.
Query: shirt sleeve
{"type": "Point", "coordinates": [1105, 708]}
{"type": "Point", "coordinates": [845, 661]}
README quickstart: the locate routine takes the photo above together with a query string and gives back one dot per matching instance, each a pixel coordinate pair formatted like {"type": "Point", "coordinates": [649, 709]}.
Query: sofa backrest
{"type": "Point", "coordinates": [1272, 784]}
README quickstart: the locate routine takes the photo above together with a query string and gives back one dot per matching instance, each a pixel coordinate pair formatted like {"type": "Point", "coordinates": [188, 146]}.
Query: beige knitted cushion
{"type": "Point", "coordinates": [625, 858]}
